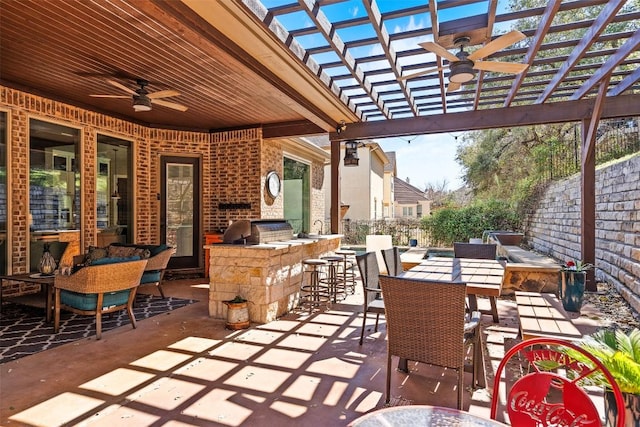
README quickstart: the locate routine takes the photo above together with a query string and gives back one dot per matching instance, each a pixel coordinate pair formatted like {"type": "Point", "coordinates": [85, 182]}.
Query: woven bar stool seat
{"type": "Point", "coordinates": [333, 280]}
{"type": "Point", "coordinates": [314, 292]}
{"type": "Point", "coordinates": [348, 269]}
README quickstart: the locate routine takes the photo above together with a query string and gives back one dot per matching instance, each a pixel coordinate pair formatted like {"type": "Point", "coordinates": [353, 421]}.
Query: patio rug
{"type": "Point", "coordinates": [24, 331]}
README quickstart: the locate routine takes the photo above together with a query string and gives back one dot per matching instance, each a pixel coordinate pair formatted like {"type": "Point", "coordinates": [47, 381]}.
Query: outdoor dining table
{"type": "Point", "coordinates": [482, 276]}
{"type": "Point", "coordinates": [422, 415]}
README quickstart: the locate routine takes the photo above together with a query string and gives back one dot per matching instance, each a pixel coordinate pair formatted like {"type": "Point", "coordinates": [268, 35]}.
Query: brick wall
{"type": "Point", "coordinates": [554, 228]}
{"type": "Point", "coordinates": [233, 166]}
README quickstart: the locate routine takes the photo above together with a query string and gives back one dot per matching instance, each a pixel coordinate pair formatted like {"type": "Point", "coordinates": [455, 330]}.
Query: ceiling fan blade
{"type": "Point", "coordinates": [501, 67]}
{"type": "Point", "coordinates": [439, 50]}
{"type": "Point", "coordinates": [121, 86]}
{"type": "Point", "coordinates": [111, 96]}
{"type": "Point", "coordinates": [168, 104]}
{"type": "Point", "coordinates": [163, 94]}
{"type": "Point", "coordinates": [420, 73]}
{"type": "Point", "coordinates": [495, 45]}
{"type": "Point", "coordinates": [452, 87]}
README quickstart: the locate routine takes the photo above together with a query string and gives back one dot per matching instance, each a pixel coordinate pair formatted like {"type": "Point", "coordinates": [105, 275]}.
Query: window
{"type": "Point", "coordinates": [3, 193]}
{"type": "Point", "coordinates": [54, 187]}
{"type": "Point", "coordinates": [407, 211]}
{"type": "Point", "coordinates": [113, 190]}
{"type": "Point", "coordinates": [296, 193]}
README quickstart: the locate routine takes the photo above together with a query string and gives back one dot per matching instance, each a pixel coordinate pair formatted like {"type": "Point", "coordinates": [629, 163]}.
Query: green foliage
{"type": "Point", "coordinates": [619, 353]}
{"type": "Point", "coordinates": [449, 225]}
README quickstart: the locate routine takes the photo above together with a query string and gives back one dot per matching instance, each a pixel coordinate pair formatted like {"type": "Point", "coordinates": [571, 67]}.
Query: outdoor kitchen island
{"type": "Point", "coordinates": [268, 275]}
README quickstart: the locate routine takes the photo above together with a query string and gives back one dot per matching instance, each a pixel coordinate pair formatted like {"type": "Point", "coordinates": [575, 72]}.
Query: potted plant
{"type": "Point", "coordinates": [620, 354]}
{"type": "Point", "coordinates": [573, 276]}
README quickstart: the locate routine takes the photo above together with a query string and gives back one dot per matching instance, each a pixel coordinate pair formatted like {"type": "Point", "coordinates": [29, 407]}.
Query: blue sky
{"type": "Point", "coordinates": [427, 159]}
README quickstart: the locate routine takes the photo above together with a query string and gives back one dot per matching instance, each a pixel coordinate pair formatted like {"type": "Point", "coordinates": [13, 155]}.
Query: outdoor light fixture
{"type": "Point", "coordinates": [461, 71]}
{"type": "Point", "coordinates": [141, 103]}
{"type": "Point", "coordinates": [351, 153]}
{"type": "Point", "coordinates": [342, 126]}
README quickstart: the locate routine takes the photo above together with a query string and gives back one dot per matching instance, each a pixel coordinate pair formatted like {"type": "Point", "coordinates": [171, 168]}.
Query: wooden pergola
{"type": "Point", "coordinates": [304, 67]}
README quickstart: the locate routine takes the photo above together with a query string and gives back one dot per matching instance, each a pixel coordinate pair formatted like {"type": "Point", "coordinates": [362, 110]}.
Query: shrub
{"type": "Point", "coordinates": [450, 225]}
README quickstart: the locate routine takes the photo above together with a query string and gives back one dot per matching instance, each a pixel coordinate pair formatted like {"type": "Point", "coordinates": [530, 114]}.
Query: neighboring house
{"type": "Point", "coordinates": [410, 202]}
{"type": "Point", "coordinates": [390, 172]}
{"type": "Point", "coordinates": [362, 187]}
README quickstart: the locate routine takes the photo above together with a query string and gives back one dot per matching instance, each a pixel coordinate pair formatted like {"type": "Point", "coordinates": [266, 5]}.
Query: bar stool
{"type": "Point", "coordinates": [348, 275]}
{"type": "Point", "coordinates": [333, 280]}
{"type": "Point", "coordinates": [316, 293]}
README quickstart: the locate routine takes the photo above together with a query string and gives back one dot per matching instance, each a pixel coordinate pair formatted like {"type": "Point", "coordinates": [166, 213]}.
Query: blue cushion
{"type": "Point", "coordinates": [113, 260]}
{"type": "Point", "coordinates": [150, 277]}
{"type": "Point", "coordinates": [88, 302]}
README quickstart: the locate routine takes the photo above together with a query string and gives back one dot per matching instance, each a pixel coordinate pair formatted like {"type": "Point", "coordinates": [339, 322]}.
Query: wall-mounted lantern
{"type": "Point", "coordinates": [351, 153]}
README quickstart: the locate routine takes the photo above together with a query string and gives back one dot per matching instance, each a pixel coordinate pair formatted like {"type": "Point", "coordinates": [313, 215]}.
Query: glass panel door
{"type": "Point", "coordinates": [180, 216]}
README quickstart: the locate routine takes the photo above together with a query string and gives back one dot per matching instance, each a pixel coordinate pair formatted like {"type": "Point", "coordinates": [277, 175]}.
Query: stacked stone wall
{"type": "Point", "coordinates": [554, 228]}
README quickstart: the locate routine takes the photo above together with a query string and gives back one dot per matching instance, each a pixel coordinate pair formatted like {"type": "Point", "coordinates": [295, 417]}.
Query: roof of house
{"type": "Point", "coordinates": [391, 166]}
{"type": "Point", "coordinates": [405, 193]}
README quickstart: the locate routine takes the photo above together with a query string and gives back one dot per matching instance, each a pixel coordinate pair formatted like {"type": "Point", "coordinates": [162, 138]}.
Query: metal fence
{"type": "Point", "coordinates": [616, 138]}
{"type": "Point", "coordinates": [402, 231]}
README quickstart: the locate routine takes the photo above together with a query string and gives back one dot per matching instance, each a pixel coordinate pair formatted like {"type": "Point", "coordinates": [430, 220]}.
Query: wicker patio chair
{"type": "Point", "coordinates": [426, 323]}
{"type": "Point", "coordinates": [478, 251]}
{"type": "Point", "coordinates": [369, 274]}
{"type": "Point", "coordinates": [474, 250]}
{"type": "Point", "coordinates": [156, 266]}
{"type": "Point", "coordinates": [392, 261]}
{"type": "Point", "coordinates": [98, 289]}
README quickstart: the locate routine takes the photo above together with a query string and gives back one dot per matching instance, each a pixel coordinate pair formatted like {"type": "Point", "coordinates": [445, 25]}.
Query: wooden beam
{"type": "Point", "coordinates": [607, 68]}
{"type": "Point", "coordinates": [521, 115]}
{"type": "Point", "coordinates": [607, 14]}
{"type": "Point", "coordinates": [543, 27]}
{"type": "Point", "coordinates": [335, 187]}
{"type": "Point", "coordinates": [588, 185]}
{"type": "Point", "coordinates": [288, 129]}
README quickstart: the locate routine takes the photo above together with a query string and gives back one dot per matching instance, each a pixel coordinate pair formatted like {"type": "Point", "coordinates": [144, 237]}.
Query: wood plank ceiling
{"type": "Point", "coordinates": [302, 67]}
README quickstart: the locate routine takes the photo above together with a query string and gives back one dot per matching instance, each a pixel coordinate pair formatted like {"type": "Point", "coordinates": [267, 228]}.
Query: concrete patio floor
{"type": "Point", "coordinates": [184, 368]}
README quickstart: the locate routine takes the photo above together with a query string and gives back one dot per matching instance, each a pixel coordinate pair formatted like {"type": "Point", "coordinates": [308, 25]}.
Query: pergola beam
{"type": "Point", "coordinates": [525, 115]}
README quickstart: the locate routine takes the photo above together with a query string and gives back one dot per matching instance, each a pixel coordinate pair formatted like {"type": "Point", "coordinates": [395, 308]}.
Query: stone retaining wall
{"type": "Point", "coordinates": [554, 228]}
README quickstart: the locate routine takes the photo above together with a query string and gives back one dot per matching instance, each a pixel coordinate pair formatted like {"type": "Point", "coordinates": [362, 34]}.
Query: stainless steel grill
{"type": "Point", "coordinates": [253, 232]}
{"type": "Point", "coordinates": [270, 230]}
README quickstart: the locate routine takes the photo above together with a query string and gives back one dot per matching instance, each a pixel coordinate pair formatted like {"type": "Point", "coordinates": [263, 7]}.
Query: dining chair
{"type": "Point", "coordinates": [426, 323]}
{"type": "Point", "coordinates": [478, 251]}
{"type": "Point", "coordinates": [392, 261]}
{"type": "Point", "coordinates": [369, 275]}
{"type": "Point", "coordinates": [554, 387]}
{"type": "Point", "coordinates": [474, 250]}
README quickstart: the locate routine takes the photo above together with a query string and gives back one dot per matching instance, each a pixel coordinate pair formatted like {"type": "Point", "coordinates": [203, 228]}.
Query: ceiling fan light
{"type": "Point", "coordinates": [462, 71]}
{"type": "Point", "coordinates": [141, 103]}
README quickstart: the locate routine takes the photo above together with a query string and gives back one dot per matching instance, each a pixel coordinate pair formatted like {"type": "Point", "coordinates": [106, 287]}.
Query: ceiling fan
{"type": "Point", "coordinates": [142, 99]}
{"type": "Point", "coordinates": [463, 65]}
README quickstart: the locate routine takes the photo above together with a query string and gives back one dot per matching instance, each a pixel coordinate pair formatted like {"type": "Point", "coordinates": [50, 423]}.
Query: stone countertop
{"type": "Point", "coordinates": [280, 244]}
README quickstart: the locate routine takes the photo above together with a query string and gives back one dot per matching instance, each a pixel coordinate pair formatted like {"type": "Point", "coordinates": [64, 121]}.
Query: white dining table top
{"type": "Point", "coordinates": [482, 276]}
{"type": "Point", "coordinates": [422, 415]}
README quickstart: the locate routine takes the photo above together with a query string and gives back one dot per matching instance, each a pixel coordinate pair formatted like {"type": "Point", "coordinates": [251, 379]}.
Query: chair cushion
{"type": "Point", "coordinates": [150, 277]}
{"type": "Point", "coordinates": [88, 301]}
{"type": "Point", "coordinates": [114, 260]}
